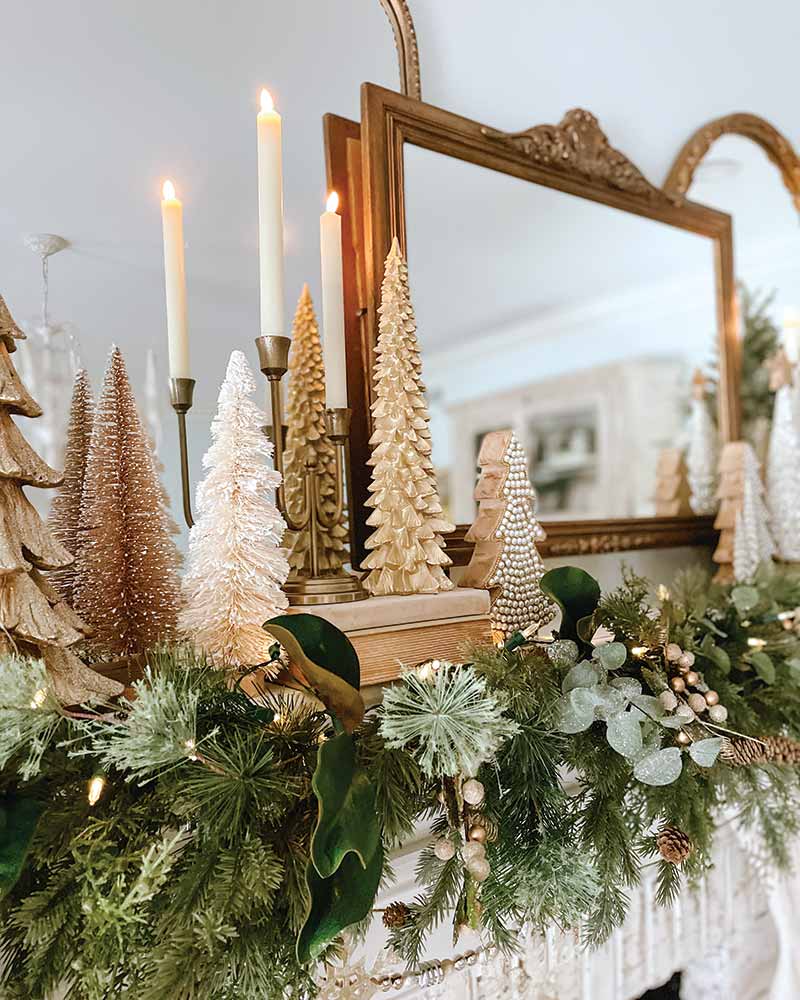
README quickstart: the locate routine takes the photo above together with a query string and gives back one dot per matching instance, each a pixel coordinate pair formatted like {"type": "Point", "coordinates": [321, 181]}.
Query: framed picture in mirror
{"type": "Point", "coordinates": [557, 292]}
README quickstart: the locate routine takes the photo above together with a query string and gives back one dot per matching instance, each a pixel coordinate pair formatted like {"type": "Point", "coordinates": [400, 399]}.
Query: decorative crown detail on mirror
{"type": "Point", "coordinates": [777, 147]}
{"type": "Point", "coordinates": [579, 146]}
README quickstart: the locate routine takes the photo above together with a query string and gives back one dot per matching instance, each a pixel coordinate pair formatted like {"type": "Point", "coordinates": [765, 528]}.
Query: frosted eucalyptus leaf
{"type": "Point", "coordinates": [705, 752]}
{"type": "Point", "coordinates": [672, 722]}
{"type": "Point", "coordinates": [764, 666]}
{"type": "Point", "coordinates": [720, 658]}
{"type": "Point", "coordinates": [659, 768]}
{"type": "Point", "coordinates": [563, 653]}
{"type": "Point", "coordinates": [577, 710]}
{"type": "Point", "coordinates": [582, 675]}
{"type": "Point", "coordinates": [612, 655]}
{"type": "Point", "coordinates": [629, 686]}
{"type": "Point", "coordinates": [624, 734]}
{"type": "Point", "coordinates": [745, 598]}
{"type": "Point", "coordinates": [649, 705]}
{"type": "Point", "coordinates": [610, 702]}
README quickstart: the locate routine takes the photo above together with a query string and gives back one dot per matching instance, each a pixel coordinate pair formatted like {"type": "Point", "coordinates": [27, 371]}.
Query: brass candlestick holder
{"type": "Point", "coordinates": [181, 394]}
{"type": "Point", "coordinates": [332, 588]}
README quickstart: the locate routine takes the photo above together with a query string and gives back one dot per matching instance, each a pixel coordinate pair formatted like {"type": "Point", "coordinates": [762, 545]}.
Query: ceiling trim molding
{"type": "Point", "coordinates": [777, 147]}
{"type": "Point", "coordinates": [405, 39]}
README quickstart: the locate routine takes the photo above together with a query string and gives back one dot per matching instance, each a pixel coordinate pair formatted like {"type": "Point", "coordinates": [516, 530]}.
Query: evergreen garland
{"type": "Point", "coordinates": [189, 876]}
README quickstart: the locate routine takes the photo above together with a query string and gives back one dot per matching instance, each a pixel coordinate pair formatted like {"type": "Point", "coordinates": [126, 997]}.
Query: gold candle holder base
{"type": "Point", "coordinates": [309, 590]}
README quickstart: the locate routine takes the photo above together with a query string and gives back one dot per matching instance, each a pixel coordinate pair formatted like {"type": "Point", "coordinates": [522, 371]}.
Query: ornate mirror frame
{"type": "Point", "coordinates": [776, 146]}
{"type": "Point", "coordinates": [575, 157]}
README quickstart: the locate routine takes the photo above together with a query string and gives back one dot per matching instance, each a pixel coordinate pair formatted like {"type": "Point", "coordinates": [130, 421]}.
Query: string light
{"type": "Point", "coordinates": [755, 642]}
{"type": "Point", "coordinates": [96, 788]}
{"type": "Point", "coordinates": [39, 698]}
{"type": "Point", "coordinates": [639, 651]}
{"type": "Point", "coordinates": [191, 748]}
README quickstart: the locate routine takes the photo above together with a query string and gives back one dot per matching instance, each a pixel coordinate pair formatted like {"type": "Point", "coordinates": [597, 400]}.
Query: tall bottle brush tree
{"type": "Point", "coordinates": [127, 585]}
{"type": "Point", "coordinates": [236, 567]}
{"type": "Point", "coordinates": [783, 461]}
{"type": "Point", "coordinates": [407, 548]}
{"type": "Point", "coordinates": [34, 619]}
{"type": "Point", "coordinates": [307, 442]}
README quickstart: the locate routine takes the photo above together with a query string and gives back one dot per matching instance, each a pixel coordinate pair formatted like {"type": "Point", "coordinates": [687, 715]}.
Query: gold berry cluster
{"type": "Point", "coordinates": [689, 697]}
{"type": "Point", "coordinates": [475, 830]}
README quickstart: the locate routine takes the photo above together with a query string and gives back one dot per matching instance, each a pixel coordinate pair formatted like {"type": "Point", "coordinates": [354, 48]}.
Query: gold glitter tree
{"type": "Point", "coordinates": [127, 586]}
{"type": "Point", "coordinates": [306, 441]}
{"type": "Point", "coordinates": [34, 619]}
{"type": "Point", "coordinates": [407, 546]}
{"type": "Point", "coordinates": [65, 509]}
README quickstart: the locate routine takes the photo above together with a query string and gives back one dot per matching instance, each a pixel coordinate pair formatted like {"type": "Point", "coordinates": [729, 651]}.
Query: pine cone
{"type": "Point", "coordinates": [781, 750]}
{"type": "Point", "coordinates": [674, 845]}
{"type": "Point", "coordinates": [740, 752]}
{"type": "Point", "coordinates": [396, 915]}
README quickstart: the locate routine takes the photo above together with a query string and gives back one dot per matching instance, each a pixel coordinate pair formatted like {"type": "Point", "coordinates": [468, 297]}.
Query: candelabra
{"type": "Point", "coordinates": [318, 588]}
{"type": "Point", "coordinates": [181, 394]}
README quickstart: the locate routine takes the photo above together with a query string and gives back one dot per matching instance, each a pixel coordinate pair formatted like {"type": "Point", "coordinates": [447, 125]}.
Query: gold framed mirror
{"type": "Point", "coordinates": [566, 180]}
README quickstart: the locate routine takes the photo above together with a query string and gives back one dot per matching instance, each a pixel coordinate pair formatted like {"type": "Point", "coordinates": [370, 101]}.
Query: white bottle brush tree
{"type": "Point", "coordinates": [783, 462]}
{"type": "Point", "coordinates": [407, 548]}
{"type": "Point", "coordinates": [701, 454]}
{"type": "Point", "coordinates": [236, 566]}
{"type": "Point", "coordinates": [752, 543]}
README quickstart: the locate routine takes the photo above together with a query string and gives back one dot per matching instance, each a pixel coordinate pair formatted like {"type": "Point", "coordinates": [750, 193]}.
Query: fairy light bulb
{"type": "Point", "coordinates": [96, 788]}
{"type": "Point", "coordinates": [39, 698]}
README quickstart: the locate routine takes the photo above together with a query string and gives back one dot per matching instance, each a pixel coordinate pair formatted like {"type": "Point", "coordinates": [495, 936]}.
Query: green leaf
{"type": "Point", "coordinates": [794, 669]}
{"type": "Point", "coordinates": [659, 768]}
{"type": "Point", "coordinates": [720, 658]}
{"type": "Point", "coordinates": [576, 593]}
{"type": "Point", "coordinates": [705, 752]}
{"type": "Point", "coordinates": [327, 660]}
{"type": "Point", "coordinates": [347, 819]}
{"type": "Point", "coordinates": [612, 656]}
{"type": "Point", "coordinates": [19, 817]}
{"type": "Point", "coordinates": [764, 666]}
{"type": "Point", "coordinates": [624, 734]}
{"type": "Point", "coordinates": [337, 902]}
{"type": "Point", "coordinates": [745, 598]}
{"type": "Point", "coordinates": [577, 710]}
{"type": "Point", "coordinates": [582, 675]}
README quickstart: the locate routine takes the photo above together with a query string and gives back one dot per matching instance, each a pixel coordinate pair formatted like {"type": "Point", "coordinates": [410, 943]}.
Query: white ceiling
{"type": "Point", "coordinates": [102, 100]}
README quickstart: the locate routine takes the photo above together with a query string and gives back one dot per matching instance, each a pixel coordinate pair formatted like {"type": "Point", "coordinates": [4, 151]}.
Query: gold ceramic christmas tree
{"type": "Point", "coordinates": [34, 619]}
{"type": "Point", "coordinates": [127, 585]}
{"type": "Point", "coordinates": [672, 485]}
{"type": "Point", "coordinates": [307, 442]}
{"type": "Point", "coordinates": [65, 509]}
{"type": "Point", "coordinates": [407, 548]}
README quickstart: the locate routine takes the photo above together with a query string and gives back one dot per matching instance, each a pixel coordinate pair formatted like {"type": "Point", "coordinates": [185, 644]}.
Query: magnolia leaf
{"type": "Point", "coordinates": [327, 660]}
{"type": "Point", "coordinates": [764, 666]}
{"type": "Point", "coordinates": [337, 902]}
{"type": "Point", "coordinates": [705, 752]}
{"type": "Point", "coordinates": [629, 686]}
{"type": "Point", "coordinates": [577, 710]}
{"type": "Point", "coordinates": [745, 598]}
{"type": "Point", "coordinates": [19, 817]}
{"type": "Point", "coordinates": [347, 819]}
{"type": "Point", "coordinates": [624, 734]}
{"type": "Point", "coordinates": [659, 768]}
{"type": "Point", "coordinates": [612, 655]}
{"type": "Point", "coordinates": [575, 592]}
{"type": "Point", "coordinates": [582, 675]}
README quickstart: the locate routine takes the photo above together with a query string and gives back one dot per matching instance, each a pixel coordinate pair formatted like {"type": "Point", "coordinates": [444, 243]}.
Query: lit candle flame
{"type": "Point", "coordinates": [168, 191]}
{"type": "Point", "coordinates": [96, 787]}
{"type": "Point", "coordinates": [267, 104]}
{"type": "Point", "coordinates": [332, 203]}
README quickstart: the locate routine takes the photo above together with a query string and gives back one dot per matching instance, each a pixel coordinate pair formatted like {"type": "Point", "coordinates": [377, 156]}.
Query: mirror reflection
{"type": "Point", "coordinates": [576, 324]}
{"type": "Point", "coordinates": [737, 177]}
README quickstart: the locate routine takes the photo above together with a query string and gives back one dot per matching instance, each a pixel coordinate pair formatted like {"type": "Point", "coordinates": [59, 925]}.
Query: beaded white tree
{"type": "Point", "coordinates": [701, 455]}
{"type": "Point", "coordinates": [752, 542]}
{"type": "Point", "coordinates": [236, 568]}
{"type": "Point", "coordinates": [407, 548]}
{"type": "Point", "coordinates": [783, 462]}
{"type": "Point", "coordinates": [505, 532]}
